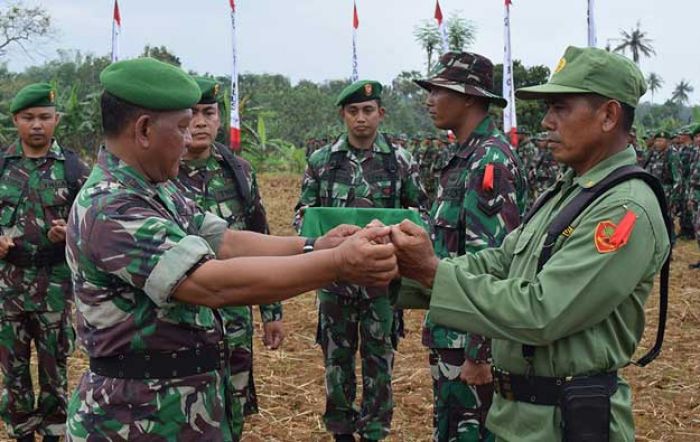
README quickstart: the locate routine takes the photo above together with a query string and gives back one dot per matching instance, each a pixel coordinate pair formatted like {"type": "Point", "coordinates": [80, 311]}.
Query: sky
{"type": "Point", "coordinates": [311, 39]}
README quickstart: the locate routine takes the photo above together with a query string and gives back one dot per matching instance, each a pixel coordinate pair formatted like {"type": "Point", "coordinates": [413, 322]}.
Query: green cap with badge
{"type": "Point", "coordinates": [210, 89]}
{"type": "Point", "coordinates": [151, 84]}
{"type": "Point", "coordinates": [663, 134]}
{"type": "Point", "coordinates": [34, 95]}
{"type": "Point", "coordinates": [359, 92]}
{"type": "Point", "coordinates": [592, 71]}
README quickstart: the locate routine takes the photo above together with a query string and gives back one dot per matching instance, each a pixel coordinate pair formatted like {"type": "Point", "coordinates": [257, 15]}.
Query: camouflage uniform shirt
{"type": "Point", "coordinates": [472, 214]}
{"type": "Point", "coordinates": [130, 242]}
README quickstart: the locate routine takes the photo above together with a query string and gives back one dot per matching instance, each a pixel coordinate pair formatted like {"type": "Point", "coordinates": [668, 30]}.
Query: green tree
{"type": "Point", "coordinates": [161, 53]}
{"type": "Point", "coordinates": [428, 36]}
{"type": "Point", "coordinates": [654, 82]}
{"type": "Point", "coordinates": [637, 42]}
{"type": "Point", "coordinates": [20, 24]}
{"type": "Point", "coordinates": [529, 112]}
{"type": "Point", "coordinates": [461, 33]}
{"type": "Point", "coordinates": [681, 92]}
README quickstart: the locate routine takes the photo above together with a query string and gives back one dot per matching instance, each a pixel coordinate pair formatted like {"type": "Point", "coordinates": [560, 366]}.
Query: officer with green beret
{"type": "Point", "coordinates": [39, 180]}
{"type": "Point", "coordinates": [564, 318]}
{"type": "Point", "coordinates": [694, 186]}
{"type": "Point", "coordinates": [686, 153]}
{"type": "Point", "coordinates": [151, 271]}
{"type": "Point", "coordinates": [664, 163]}
{"type": "Point", "coordinates": [361, 169]}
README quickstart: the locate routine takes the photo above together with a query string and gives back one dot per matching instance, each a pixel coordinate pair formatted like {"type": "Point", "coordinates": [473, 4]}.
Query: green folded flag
{"type": "Point", "coordinates": [319, 220]}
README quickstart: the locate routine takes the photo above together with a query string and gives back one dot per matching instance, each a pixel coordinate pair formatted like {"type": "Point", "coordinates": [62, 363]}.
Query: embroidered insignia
{"type": "Point", "coordinates": [560, 66]}
{"type": "Point", "coordinates": [368, 90]}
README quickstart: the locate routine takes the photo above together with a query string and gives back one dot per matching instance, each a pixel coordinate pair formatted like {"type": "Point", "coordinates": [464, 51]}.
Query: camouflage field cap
{"type": "Point", "coordinates": [210, 89]}
{"type": "Point", "coordinates": [592, 70]}
{"type": "Point", "coordinates": [151, 84]}
{"type": "Point", "coordinates": [466, 73]}
{"type": "Point", "coordinates": [33, 95]}
{"type": "Point", "coordinates": [359, 92]}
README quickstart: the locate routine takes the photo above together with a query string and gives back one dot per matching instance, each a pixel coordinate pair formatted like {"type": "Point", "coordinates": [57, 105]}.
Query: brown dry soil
{"type": "Point", "coordinates": [290, 380]}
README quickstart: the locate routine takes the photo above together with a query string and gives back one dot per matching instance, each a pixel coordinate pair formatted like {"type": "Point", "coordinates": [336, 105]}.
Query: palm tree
{"type": "Point", "coordinates": [428, 36]}
{"type": "Point", "coordinates": [637, 42]}
{"type": "Point", "coordinates": [680, 93]}
{"type": "Point", "coordinates": [654, 82]}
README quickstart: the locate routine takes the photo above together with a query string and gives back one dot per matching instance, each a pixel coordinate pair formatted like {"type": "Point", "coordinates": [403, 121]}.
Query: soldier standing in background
{"type": "Point", "coordinates": [38, 182]}
{"type": "Point", "coordinates": [480, 198]}
{"type": "Point", "coordinates": [546, 168]}
{"type": "Point", "coordinates": [224, 184]}
{"type": "Point", "coordinates": [686, 153]}
{"type": "Point", "coordinates": [664, 164]}
{"type": "Point", "coordinates": [694, 187]}
{"type": "Point", "coordinates": [361, 169]}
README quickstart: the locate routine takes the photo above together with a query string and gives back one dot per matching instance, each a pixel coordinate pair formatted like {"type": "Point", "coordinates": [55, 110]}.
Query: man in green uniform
{"type": "Point", "coordinates": [545, 168]}
{"type": "Point", "coordinates": [224, 184]}
{"type": "Point", "coordinates": [578, 319]}
{"type": "Point", "coordinates": [361, 169]}
{"type": "Point", "coordinates": [694, 187]}
{"type": "Point", "coordinates": [38, 183]}
{"type": "Point", "coordinates": [150, 271]}
{"type": "Point", "coordinates": [480, 196]}
{"type": "Point", "coordinates": [663, 162]}
{"type": "Point", "coordinates": [686, 153]}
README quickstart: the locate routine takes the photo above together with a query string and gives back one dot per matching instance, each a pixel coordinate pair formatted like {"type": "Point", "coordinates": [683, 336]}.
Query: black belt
{"type": "Point", "coordinates": [541, 390]}
{"type": "Point", "coordinates": [44, 257]}
{"type": "Point", "coordinates": [162, 364]}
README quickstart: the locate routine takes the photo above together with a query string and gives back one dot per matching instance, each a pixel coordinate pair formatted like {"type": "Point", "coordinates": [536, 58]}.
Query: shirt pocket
{"type": "Point", "coordinates": [343, 188]}
{"type": "Point", "coordinates": [383, 195]}
{"type": "Point", "coordinates": [230, 207]}
{"type": "Point", "coordinates": [55, 199]}
{"type": "Point", "coordinates": [8, 209]}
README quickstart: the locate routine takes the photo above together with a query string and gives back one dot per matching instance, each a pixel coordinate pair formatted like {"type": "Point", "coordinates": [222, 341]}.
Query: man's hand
{"type": "Point", "coordinates": [5, 243]}
{"type": "Point", "coordinates": [57, 233]}
{"type": "Point", "coordinates": [336, 236]}
{"type": "Point", "coordinates": [414, 251]}
{"type": "Point", "coordinates": [363, 259]}
{"type": "Point", "coordinates": [475, 374]}
{"type": "Point", "coordinates": [273, 334]}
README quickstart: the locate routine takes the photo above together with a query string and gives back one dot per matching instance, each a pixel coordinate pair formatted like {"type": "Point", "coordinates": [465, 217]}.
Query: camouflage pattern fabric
{"type": "Point", "coordinates": [361, 180]}
{"type": "Point", "coordinates": [665, 165]}
{"type": "Point", "coordinates": [460, 409]}
{"type": "Point", "coordinates": [427, 168]}
{"type": "Point", "coordinates": [685, 213]}
{"type": "Point", "coordinates": [544, 172]}
{"type": "Point", "coordinates": [471, 214]}
{"type": "Point", "coordinates": [339, 321]}
{"type": "Point", "coordinates": [34, 301]}
{"type": "Point", "coordinates": [211, 184]}
{"type": "Point", "coordinates": [528, 155]}
{"type": "Point", "coordinates": [694, 192]}
{"type": "Point", "coordinates": [129, 243]}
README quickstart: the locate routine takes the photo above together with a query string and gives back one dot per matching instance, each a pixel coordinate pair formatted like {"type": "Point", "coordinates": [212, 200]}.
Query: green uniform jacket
{"type": "Point", "coordinates": [584, 311]}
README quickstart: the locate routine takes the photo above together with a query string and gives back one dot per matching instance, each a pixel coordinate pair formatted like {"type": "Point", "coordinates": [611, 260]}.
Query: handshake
{"type": "Point", "coordinates": [377, 254]}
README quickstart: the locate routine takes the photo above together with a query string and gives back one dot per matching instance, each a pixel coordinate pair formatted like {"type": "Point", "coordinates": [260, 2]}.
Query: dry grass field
{"type": "Point", "coordinates": [290, 380]}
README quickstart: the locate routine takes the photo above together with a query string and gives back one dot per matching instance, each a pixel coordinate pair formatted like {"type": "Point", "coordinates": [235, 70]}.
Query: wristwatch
{"type": "Point", "coordinates": [309, 245]}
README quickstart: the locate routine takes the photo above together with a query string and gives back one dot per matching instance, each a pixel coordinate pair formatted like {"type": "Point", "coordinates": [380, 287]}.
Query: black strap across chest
{"type": "Point", "coordinates": [338, 159]}
{"type": "Point", "coordinates": [236, 168]}
{"type": "Point", "coordinates": [573, 209]}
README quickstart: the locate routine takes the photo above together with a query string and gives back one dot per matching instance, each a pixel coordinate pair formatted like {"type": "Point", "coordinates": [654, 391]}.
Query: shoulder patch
{"type": "Point", "coordinates": [609, 237]}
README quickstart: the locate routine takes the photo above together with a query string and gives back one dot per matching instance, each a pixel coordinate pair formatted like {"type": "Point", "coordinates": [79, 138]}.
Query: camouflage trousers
{"type": "Point", "coordinates": [241, 386]}
{"type": "Point", "coordinates": [341, 321]}
{"type": "Point", "coordinates": [53, 337]}
{"type": "Point", "coordinates": [686, 219]}
{"type": "Point", "coordinates": [459, 410]}
{"type": "Point", "coordinates": [149, 410]}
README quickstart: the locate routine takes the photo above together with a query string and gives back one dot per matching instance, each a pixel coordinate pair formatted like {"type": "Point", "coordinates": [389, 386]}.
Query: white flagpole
{"type": "Point", "coordinates": [235, 122]}
{"type": "Point", "coordinates": [355, 25]}
{"type": "Point", "coordinates": [592, 39]}
{"type": "Point", "coordinates": [509, 117]}
{"type": "Point", "coordinates": [441, 28]}
{"type": "Point", "coordinates": [116, 30]}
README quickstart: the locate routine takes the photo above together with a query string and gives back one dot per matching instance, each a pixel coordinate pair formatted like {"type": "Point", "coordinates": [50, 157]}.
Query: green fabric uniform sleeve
{"type": "Point", "coordinates": [271, 312]}
{"type": "Point", "coordinates": [576, 289]}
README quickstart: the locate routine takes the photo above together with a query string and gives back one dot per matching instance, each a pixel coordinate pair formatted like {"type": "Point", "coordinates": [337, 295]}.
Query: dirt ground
{"type": "Point", "coordinates": [290, 380]}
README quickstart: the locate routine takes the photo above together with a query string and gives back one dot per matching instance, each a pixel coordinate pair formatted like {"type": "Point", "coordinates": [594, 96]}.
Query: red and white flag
{"type": "Point", "coordinates": [592, 39]}
{"type": "Point", "coordinates": [355, 26]}
{"type": "Point", "coordinates": [509, 119]}
{"type": "Point", "coordinates": [116, 30]}
{"type": "Point", "coordinates": [235, 122]}
{"type": "Point", "coordinates": [441, 28]}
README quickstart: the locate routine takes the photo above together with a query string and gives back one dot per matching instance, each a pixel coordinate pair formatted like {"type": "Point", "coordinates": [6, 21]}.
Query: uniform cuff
{"type": "Point", "coordinates": [212, 230]}
{"type": "Point", "coordinates": [173, 266]}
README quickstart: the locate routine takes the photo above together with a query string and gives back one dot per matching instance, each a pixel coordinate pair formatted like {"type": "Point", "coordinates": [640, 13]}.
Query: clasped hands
{"type": "Point", "coordinates": [377, 254]}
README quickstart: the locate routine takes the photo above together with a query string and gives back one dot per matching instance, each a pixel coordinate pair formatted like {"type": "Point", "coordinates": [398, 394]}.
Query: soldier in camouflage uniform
{"type": "Point", "coordinates": [361, 169]}
{"type": "Point", "coordinates": [663, 162]}
{"type": "Point", "coordinates": [150, 271]}
{"type": "Point", "coordinates": [545, 168]}
{"type": "Point", "coordinates": [427, 166]}
{"type": "Point", "coordinates": [480, 199]}
{"type": "Point", "coordinates": [38, 183]}
{"type": "Point", "coordinates": [694, 187]}
{"type": "Point", "coordinates": [527, 152]}
{"type": "Point", "coordinates": [224, 184]}
{"type": "Point", "coordinates": [686, 153]}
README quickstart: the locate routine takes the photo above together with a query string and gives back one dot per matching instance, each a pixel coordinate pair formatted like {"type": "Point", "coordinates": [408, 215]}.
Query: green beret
{"type": "Point", "coordinates": [663, 134]}
{"type": "Point", "coordinates": [359, 92]}
{"type": "Point", "coordinates": [151, 84]}
{"type": "Point", "coordinates": [34, 95]}
{"type": "Point", "coordinates": [210, 89]}
{"type": "Point", "coordinates": [592, 70]}
{"type": "Point", "coordinates": [685, 130]}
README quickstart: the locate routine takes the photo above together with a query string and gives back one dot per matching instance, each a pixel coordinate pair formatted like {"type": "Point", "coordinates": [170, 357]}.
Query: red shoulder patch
{"type": "Point", "coordinates": [609, 237]}
{"type": "Point", "coordinates": [487, 182]}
